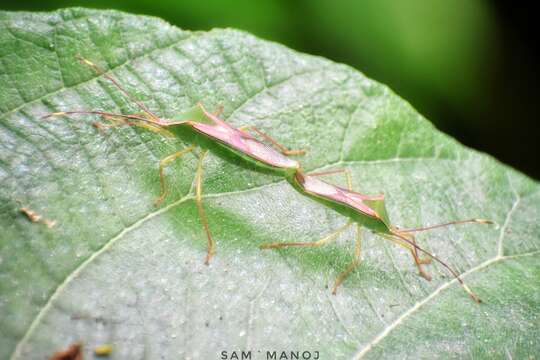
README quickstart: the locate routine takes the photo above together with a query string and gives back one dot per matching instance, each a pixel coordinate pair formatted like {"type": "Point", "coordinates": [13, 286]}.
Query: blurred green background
{"type": "Point", "coordinates": [467, 65]}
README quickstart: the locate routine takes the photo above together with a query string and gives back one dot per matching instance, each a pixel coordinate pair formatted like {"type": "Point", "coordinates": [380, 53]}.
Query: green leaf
{"type": "Point", "coordinates": [117, 270]}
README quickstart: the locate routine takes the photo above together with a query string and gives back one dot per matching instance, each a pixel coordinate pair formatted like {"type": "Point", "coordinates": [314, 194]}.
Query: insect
{"type": "Point", "coordinates": [364, 210]}
{"type": "Point", "coordinates": [369, 212]}
{"type": "Point", "coordinates": [205, 128]}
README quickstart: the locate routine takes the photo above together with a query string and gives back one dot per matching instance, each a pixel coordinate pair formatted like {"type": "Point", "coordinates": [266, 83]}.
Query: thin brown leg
{"type": "Point", "coordinates": [200, 209]}
{"type": "Point", "coordinates": [271, 140]}
{"type": "Point", "coordinates": [452, 271]}
{"type": "Point", "coordinates": [162, 164]}
{"type": "Point", "coordinates": [139, 119]}
{"type": "Point", "coordinates": [112, 123]}
{"type": "Point", "coordinates": [418, 261]}
{"type": "Point", "coordinates": [396, 240]}
{"type": "Point", "coordinates": [356, 260]}
{"type": "Point", "coordinates": [413, 250]}
{"type": "Point", "coordinates": [323, 241]}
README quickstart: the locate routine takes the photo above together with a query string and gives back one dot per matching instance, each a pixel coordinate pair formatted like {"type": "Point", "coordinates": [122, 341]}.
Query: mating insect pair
{"type": "Point", "coordinates": [363, 210]}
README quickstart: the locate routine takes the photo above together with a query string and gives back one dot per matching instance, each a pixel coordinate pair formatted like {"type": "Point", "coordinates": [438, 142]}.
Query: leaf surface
{"type": "Point", "coordinates": [117, 270]}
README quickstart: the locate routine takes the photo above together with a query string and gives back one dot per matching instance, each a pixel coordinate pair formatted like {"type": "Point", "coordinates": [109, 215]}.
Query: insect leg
{"type": "Point", "coordinates": [414, 252]}
{"type": "Point", "coordinates": [323, 241]}
{"type": "Point", "coordinates": [271, 140]}
{"type": "Point", "coordinates": [419, 261]}
{"type": "Point", "coordinates": [346, 171]}
{"type": "Point", "coordinates": [200, 209]}
{"type": "Point", "coordinates": [116, 121]}
{"type": "Point", "coordinates": [112, 123]}
{"type": "Point", "coordinates": [356, 260]}
{"type": "Point", "coordinates": [162, 164]}
{"type": "Point", "coordinates": [452, 271]}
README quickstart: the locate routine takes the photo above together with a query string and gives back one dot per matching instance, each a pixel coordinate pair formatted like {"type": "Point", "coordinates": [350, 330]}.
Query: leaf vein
{"type": "Point", "coordinates": [56, 294]}
{"type": "Point", "coordinates": [362, 352]}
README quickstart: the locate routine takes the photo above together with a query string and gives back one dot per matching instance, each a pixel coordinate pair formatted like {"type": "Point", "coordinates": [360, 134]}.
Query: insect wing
{"type": "Point", "coordinates": [246, 144]}
{"type": "Point", "coordinates": [268, 154]}
{"type": "Point", "coordinates": [337, 194]}
{"type": "Point", "coordinates": [224, 134]}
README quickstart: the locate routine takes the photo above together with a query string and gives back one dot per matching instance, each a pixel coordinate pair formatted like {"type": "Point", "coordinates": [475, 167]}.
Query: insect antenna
{"type": "Point", "coordinates": [136, 120]}
{"type": "Point", "coordinates": [457, 222]}
{"type": "Point", "coordinates": [437, 259]}
{"type": "Point", "coordinates": [102, 113]}
{"type": "Point", "coordinates": [99, 71]}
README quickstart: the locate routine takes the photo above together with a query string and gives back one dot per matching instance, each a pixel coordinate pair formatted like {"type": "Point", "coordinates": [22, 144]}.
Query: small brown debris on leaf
{"type": "Point", "coordinates": [37, 218]}
{"type": "Point", "coordinates": [73, 352]}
